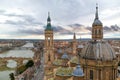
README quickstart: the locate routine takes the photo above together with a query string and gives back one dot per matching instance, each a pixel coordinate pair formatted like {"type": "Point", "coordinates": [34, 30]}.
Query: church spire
{"type": "Point", "coordinates": [74, 37]}
{"type": "Point", "coordinates": [96, 15]}
{"type": "Point", "coordinates": [74, 44]}
{"type": "Point", "coordinates": [97, 27]}
{"type": "Point", "coordinates": [48, 22]}
{"type": "Point", "coordinates": [48, 19]}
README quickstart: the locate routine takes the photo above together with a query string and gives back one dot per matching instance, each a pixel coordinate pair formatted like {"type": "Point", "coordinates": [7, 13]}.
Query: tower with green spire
{"type": "Point", "coordinates": [48, 49]}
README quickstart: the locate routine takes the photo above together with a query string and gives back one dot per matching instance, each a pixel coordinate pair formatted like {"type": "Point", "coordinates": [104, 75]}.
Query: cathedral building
{"type": "Point", "coordinates": [94, 61]}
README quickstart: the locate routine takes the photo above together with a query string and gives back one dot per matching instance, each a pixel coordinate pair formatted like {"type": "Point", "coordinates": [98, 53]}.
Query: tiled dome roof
{"type": "Point", "coordinates": [65, 56]}
{"type": "Point", "coordinates": [98, 50]}
{"type": "Point", "coordinates": [80, 46]}
{"type": "Point", "coordinates": [78, 71]}
{"type": "Point", "coordinates": [59, 51]}
{"type": "Point", "coordinates": [74, 60]}
{"type": "Point", "coordinates": [57, 62]}
{"type": "Point", "coordinates": [64, 71]}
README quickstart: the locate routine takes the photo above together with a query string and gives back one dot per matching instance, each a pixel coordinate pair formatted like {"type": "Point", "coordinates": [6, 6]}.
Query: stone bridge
{"type": "Point", "coordinates": [19, 60]}
{"type": "Point", "coordinates": [22, 48]}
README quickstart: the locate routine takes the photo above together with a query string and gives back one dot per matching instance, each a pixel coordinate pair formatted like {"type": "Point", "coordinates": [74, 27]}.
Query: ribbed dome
{"type": "Point", "coordinates": [74, 60]}
{"type": "Point", "coordinates": [59, 51]}
{"type": "Point", "coordinates": [98, 50]}
{"type": "Point", "coordinates": [57, 62]}
{"type": "Point", "coordinates": [64, 71]}
{"type": "Point", "coordinates": [97, 22]}
{"type": "Point", "coordinates": [65, 56]}
{"type": "Point", "coordinates": [78, 71]}
{"type": "Point", "coordinates": [80, 46]}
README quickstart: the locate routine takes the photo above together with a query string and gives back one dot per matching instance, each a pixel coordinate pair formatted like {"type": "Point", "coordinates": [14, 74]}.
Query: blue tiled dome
{"type": "Point", "coordinates": [65, 56]}
{"type": "Point", "coordinates": [78, 72]}
{"type": "Point", "coordinates": [59, 50]}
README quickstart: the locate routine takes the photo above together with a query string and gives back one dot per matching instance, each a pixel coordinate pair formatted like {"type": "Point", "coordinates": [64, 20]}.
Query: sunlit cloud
{"type": "Point", "coordinates": [23, 19]}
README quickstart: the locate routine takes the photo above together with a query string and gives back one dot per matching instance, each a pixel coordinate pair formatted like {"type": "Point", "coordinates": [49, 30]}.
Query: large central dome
{"type": "Point", "coordinates": [98, 50]}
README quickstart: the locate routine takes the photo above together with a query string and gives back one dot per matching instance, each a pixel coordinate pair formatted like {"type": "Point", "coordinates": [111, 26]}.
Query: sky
{"type": "Point", "coordinates": [26, 19]}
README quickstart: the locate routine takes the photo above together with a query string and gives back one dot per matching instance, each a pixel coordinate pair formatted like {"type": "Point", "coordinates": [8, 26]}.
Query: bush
{"type": "Point", "coordinates": [11, 76]}
{"type": "Point", "coordinates": [30, 63]}
{"type": "Point", "coordinates": [119, 63]}
{"type": "Point", "coordinates": [21, 69]}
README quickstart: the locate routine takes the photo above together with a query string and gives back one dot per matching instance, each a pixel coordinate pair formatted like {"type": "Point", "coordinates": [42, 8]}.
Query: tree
{"type": "Point", "coordinates": [30, 63]}
{"type": "Point", "coordinates": [12, 76]}
{"type": "Point", "coordinates": [21, 69]}
{"type": "Point", "coordinates": [119, 63]}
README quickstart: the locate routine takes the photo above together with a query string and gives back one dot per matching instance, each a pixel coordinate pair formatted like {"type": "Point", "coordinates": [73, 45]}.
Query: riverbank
{"type": "Point", "coordinates": [4, 49]}
{"type": "Point", "coordinates": [4, 68]}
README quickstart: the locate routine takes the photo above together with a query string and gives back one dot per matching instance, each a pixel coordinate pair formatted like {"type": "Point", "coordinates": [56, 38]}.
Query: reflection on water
{"type": "Point", "coordinates": [28, 45]}
{"type": "Point", "coordinates": [11, 64]}
{"type": "Point", "coordinates": [18, 53]}
{"type": "Point", "coordinates": [25, 61]}
{"type": "Point", "coordinates": [4, 75]}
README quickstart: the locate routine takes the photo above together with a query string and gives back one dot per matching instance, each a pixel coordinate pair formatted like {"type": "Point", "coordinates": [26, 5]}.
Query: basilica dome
{"type": "Point", "coordinates": [98, 50]}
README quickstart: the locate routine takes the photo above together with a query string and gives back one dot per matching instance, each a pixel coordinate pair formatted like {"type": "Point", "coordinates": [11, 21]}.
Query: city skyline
{"type": "Point", "coordinates": [27, 19]}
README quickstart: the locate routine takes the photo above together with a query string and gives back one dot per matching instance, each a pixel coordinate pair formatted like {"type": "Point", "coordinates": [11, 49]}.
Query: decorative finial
{"type": "Point", "coordinates": [96, 4]}
{"type": "Point", "coordinates": [74, 36]}
{"type": "Point", "coordinates": [48, 17]}
{"type": "Point", "coordinates": [96, 15]}
{"type": "Point", "coordinates": [49, 14]}
{"type": "Point", "coordinates": [48, 22]}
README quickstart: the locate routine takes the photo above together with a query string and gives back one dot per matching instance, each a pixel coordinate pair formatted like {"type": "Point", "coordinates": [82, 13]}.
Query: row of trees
{"type": "Point", "coordinates": [22, 68]}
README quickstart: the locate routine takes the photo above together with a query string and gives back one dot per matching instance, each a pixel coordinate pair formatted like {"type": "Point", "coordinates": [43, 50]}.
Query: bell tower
{"type": "Point", "coordinates": [74, 44]}
{"type": "Point", "coordinates": [49, 48]}
{"type": "Point", "coordinates": [97, 27]}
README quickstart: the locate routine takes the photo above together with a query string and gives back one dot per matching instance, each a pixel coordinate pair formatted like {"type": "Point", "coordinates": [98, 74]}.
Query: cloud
{"type": "Point", "coordinates": [21, 20]}
{"type": "Point", "coordinates": [31, 31]}
{"type": "Point", "coordinates": [79, 29]}
{"type": "Point", "coordinates": [28, 17]}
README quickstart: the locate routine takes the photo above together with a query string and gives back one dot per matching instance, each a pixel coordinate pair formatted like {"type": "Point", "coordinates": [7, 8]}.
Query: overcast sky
{"type": "Point", "coordinates": [27, 18]}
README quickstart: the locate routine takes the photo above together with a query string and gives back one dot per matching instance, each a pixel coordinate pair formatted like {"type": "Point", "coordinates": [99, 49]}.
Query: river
{"type": "Point", "coordinates": [4, 75]}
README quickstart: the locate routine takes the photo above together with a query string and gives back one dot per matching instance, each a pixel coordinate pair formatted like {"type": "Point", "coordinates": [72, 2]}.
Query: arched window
{"type": "Point", "coordinates": [99, 31]}
{"type": "Point", "coordinates": [100, 74]}
{"type": "Point", "coordinates": [91, 74]}
{"type": "Point", "coordinates": [48, 41]}
{"type": "Point", "coordinates": [95, 31]}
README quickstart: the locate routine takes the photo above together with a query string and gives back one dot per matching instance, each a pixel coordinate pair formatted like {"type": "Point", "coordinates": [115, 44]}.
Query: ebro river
{"type": "Point", "coordinates": [25, 53]}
